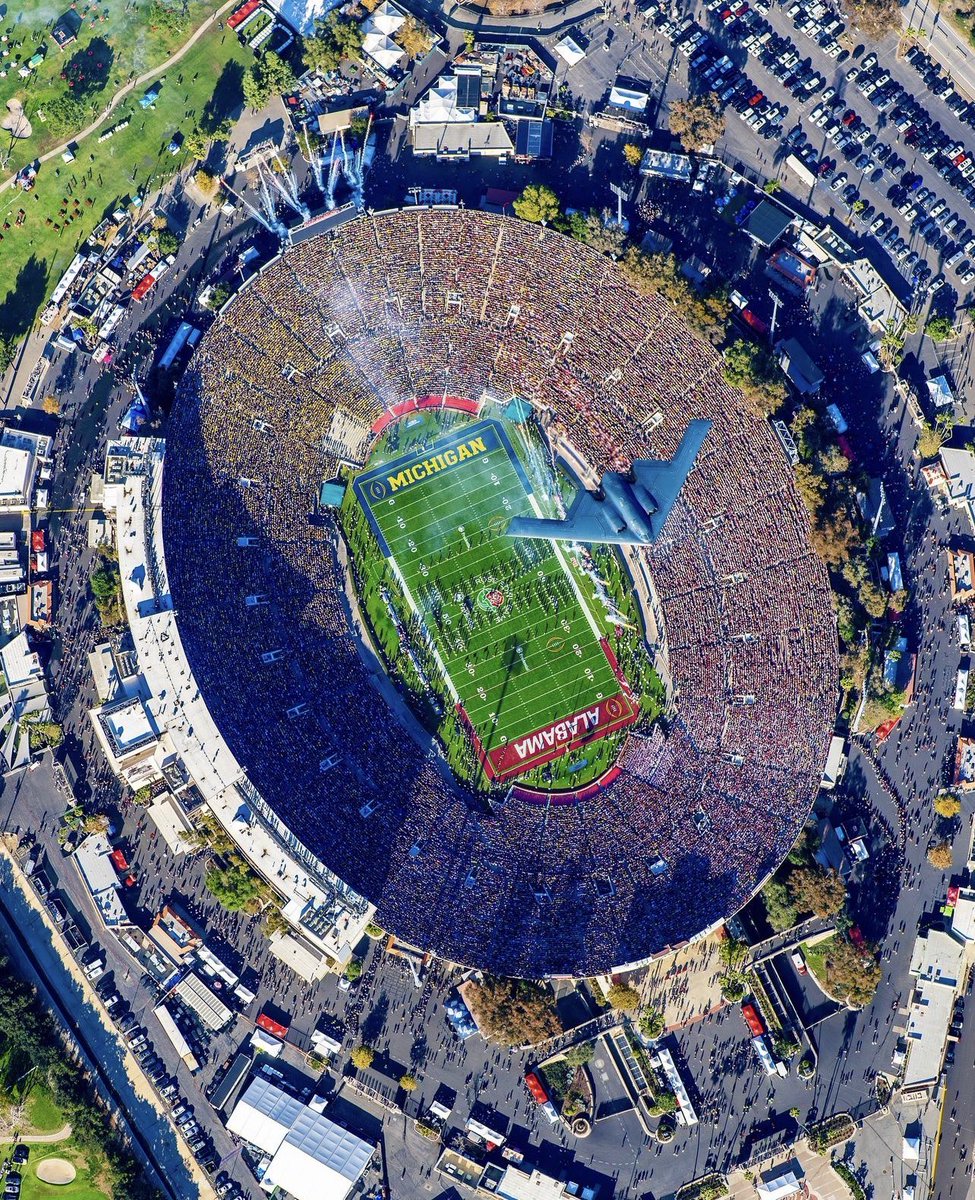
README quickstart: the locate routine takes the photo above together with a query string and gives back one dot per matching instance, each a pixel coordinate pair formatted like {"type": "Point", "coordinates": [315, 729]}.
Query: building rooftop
{"type": "Point", "coordinates": [455, 139]}
{"type": "Point", "coordinates": [938, 958]}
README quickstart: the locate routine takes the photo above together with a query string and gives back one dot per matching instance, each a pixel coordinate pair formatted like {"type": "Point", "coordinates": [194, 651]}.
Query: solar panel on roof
{"type": "Point", "coordinates": [469, 90]}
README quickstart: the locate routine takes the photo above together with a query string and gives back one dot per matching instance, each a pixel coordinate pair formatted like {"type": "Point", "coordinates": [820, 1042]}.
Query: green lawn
{"type": "Point", "coordinates": [512, 633]}
{"type": "Point", "coordinates": [138, 37]}
{"type": "Point", "coordinates": [84, 1186]}
{"type": "Point", "coordinates": [42, 1111]}
{"type": "Point", "coordinates": [815, 957]}
{"type": "Point", "coordinates": [35, 253]}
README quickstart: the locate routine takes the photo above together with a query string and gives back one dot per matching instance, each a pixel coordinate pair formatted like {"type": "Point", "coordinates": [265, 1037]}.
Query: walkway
{"type": "Point", "coordinates": [132, 84]}
{"type": "Point", "coordinates": [37, 1139]}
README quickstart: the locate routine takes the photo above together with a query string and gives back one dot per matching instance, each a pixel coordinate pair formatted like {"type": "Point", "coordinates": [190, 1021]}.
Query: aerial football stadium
{"type": "Point", "coordinates": [498, 592]}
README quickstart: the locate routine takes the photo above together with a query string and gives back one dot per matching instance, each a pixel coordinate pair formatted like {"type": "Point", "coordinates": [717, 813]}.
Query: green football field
{"type": "Point", "coordinates": [513, 637]}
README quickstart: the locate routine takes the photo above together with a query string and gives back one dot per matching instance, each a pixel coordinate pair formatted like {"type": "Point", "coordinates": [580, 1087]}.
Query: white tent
{"type": "Point", "coordinates": [628, 98]}
{"type": "Point", "coordinates": [569, 51]}
{"type": "Point", "coordinates": [318, 1160]}
{"type": "Point", "coordinates": [780, 1186]}
{"type": "Point", "coordinates": [386, 19]}
{"type": "Point", "coordinates": [439, 105]}
{"type": "Point", "coordinates": [264, 1115]}
{"type": "Point", "coordinates": [381, 49]}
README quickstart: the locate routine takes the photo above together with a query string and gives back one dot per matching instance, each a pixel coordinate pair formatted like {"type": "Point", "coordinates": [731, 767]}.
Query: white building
{"type": "Point", "coordinates": [175, 730]}
{"type": "Point", "coordinates": [378, 31]}
{"type": "Point", "coordinates": [23, 456]}
{"type": "Point", "coordinates": [453, 99]}
{"type": "Point", "coordinates": [938, 966]}
{"type": "Point", "coordinates": [958, 468]}
{"type": "Point", "coordinates": [876, 302]}
{"type": "Point", "coordinates": [835, 764]}
{"type": "Point", "coordinates": [92, 858]}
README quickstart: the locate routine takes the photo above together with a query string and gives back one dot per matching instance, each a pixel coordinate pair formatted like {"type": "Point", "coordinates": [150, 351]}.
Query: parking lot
{"type": "Point", "coordinates": [881, 142]}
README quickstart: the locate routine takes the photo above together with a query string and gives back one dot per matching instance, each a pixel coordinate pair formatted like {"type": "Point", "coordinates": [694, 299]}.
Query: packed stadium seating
{"type": "Point", "coordinates": [286, 385]}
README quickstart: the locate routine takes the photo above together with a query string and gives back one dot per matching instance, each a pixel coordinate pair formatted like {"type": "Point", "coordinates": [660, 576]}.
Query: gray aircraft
{"type": "Point", "coordinates": [627, 510]}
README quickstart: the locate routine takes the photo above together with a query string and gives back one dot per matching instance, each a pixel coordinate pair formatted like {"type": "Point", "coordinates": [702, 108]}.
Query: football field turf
{"type": "Point", "coordinates": [516, 642]}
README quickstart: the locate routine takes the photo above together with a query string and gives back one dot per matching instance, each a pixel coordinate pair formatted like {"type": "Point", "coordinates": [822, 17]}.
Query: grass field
{"type": "Point", "coordinates": [85, 1185]}
{"type": "Point", "coordinates": [504, 618]}
{"type": "Point", "coordinates": [139, 37]}
{"type": "Point", "coordinates": [35, 253]}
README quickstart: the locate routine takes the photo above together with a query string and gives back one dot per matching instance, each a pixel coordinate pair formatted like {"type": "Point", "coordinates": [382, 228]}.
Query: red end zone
{"type": "Point", "coordinates": [601, 718]}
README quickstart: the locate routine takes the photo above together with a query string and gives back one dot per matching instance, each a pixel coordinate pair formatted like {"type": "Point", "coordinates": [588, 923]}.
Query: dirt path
{"type": "Point", "coordinates": [124, 91]}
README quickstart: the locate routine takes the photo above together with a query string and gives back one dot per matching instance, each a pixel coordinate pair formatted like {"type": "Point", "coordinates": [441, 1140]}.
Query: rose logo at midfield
{"type": "Point", "coordinates": [490, 597]}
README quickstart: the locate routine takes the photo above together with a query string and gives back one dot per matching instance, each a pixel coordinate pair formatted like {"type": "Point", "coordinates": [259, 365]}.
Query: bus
{"type": "Point", "coordinates": [752, 1019]}
{"type": "Point", "coordinates": [540, 1096]}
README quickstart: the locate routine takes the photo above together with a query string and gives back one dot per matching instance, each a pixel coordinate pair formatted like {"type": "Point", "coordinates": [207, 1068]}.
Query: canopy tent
{"type": "Point", "coordinates": [382, 50]}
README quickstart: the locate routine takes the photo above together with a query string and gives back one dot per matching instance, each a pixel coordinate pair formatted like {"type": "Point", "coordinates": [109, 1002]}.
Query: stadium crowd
{"type": "Point", "coordinates": [285, 389]}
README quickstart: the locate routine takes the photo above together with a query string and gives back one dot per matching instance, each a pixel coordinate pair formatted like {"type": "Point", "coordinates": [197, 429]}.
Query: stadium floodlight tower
{"type": "Point", "coordinates": [626, 511]}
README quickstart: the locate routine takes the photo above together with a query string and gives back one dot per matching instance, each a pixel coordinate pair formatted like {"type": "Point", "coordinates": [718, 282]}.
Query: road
{"type": "Point", "coordinates": [934, 29]}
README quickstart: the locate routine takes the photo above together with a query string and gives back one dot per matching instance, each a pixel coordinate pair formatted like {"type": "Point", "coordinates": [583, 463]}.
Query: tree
{"type": "Point", "coordinates": [269, 76]}
{"type": "Point", "coordinates": [106, 588]}
{"type": "Point", "coordinates": [852, 974]}
{"type": "Point", "coordinates": [578, 1056]}
{"type": "Point", "coordinates": [64, 114]}
{"type": "Point", "coordinates": [771, 186]}
{"type": "Point", "coordinates": [235, 885]}
{"type": "Point", "coordinates": [408, 1082]}
{"type": "Point", "coordinates": [651, 1023]}
{"type": "Point", "coordinates": [362, 1056]}
{"type": "Point", "coordinates": [940, 329]}
{"type": "Point", "coordinates": [816, 890]}
{"type": "Point", "coordinates": [413, 37]}
{"type": "Point", "coordinates": [42, 734]}
{"type": "Point", "coordinates": [732, 952]}
{"type": "Point", "coordinates": [321, 55]}
{"type": "Point", "coordinates": [167, 241]}
{"type": "Point", "coordinates": [537, 203]}
{"type": "Point", "coordinates": [663, 1102]}
{"type": "Point", "coordinates": [633, 154]}
{"type": "Point", "coordinates": [51, 405]}
{"type": "Point", "coordinates": [947, 805]}
{"type": "Point", "coordinates": [933, 437]}
{"type": "Point", "coordinates": [785, 1045]}
{"type": "Point", "coordinates": [470, 41]}
{"type": "Point", "coordinates": [336, 38]}
{"type": "Point", "coordinates": [513, 1011]}
{"type": "Point", "coordinates": [697, 121]}
{"type": "Point", "coordinates": [218, 297]}
{"type": "Point", "coordinates": [8, 348]}
{"type": "Point", "coordinates": [753, 369]}
{"type": "Point", "coordinates": [604, 234]}
{"type": "Point", "coordinates": [733, 988]}
{"type": "Point", "coordinates": [89, 68]}
{"type": "Point", "coordinates": [875, 18]}
{"type": "Point", "coordinates": [940, 856]}
{"type": "Point", "coordinates": [623, 997]}
{"type": "Point", "coordinates": [353, 969]}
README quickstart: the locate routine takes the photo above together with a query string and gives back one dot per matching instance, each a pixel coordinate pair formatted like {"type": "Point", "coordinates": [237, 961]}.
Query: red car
{"type": "Point", "coordinates": [849, 117]}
